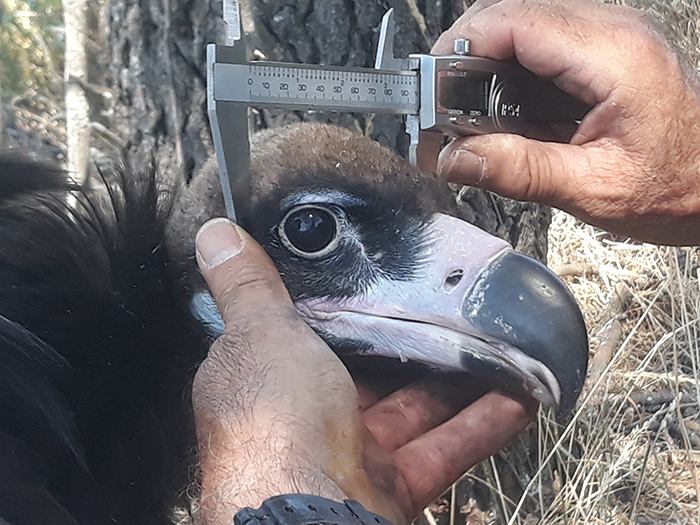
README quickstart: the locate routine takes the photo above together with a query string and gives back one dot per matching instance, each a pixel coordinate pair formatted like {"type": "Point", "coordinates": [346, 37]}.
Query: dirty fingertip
{"type": "Point", "coordinates": [218, 241]}
{"type": "Point", "coordinates": [460, 165]}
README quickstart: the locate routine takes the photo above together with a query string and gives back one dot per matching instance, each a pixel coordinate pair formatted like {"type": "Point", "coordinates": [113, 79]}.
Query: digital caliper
{"type": "Point", "coordinates": [455, 94]}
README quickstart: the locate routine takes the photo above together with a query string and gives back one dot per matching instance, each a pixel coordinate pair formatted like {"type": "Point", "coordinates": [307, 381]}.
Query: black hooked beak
{"type": "Point", "coordinates": [476, 306]}
{"type": "Point", "coordinates": [521, 303]}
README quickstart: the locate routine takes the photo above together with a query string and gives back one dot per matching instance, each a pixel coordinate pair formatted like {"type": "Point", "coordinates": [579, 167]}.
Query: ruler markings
{"type": "Point", "coordinates": [304, 87]}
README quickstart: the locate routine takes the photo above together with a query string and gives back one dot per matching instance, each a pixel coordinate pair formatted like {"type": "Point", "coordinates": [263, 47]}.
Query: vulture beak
{"type": "Point", "coordinates": [474, 305]}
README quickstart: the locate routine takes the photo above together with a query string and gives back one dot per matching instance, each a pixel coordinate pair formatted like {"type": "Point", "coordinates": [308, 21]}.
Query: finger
{"type": "Point", "coordinates": [601, 183]}
{"type": "Point", "coordinates": [265, 337]}
{"type": "Point", "coordinates": [573, 43]}
{"type": "Point", "coordinates": [417, 408]}
{"type": "Point", "coordinates": [262, 324]}
{"type": "Point", "coordinates": [240, 275]}
{"type": "Point", "coordinates": [292, 393]}
{"type": "Point", "coordinates": [509, 165]}
{"type": "Point", "coordinates": [430, 463]}
{"type": "Point", "coordinates": [367, 397]}
{"type": "Point", "coordinates": [405, 415]}
{"type": "Point", "coordinates": [592, 182]}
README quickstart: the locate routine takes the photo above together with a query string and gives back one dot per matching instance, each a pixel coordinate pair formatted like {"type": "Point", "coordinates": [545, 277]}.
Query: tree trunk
{"type": "Point", "coordinates": [75, 16]}
{"type": "Point", "coordinates": [158, 70]}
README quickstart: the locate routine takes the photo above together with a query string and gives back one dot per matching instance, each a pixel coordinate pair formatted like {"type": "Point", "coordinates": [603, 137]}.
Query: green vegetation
{"type": "Point", "coordinates": [31, 48]}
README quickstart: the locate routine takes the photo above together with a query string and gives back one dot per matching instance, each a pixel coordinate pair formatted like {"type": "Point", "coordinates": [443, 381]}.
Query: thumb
{"type": "Point", "coordinates": [257, 308]}
{"type": "Point", "coordinates": [513, 166]}
{"type": "Point", "coordinates": [240, 275]}
{"type": "Point", "coordinates": [303, 398]}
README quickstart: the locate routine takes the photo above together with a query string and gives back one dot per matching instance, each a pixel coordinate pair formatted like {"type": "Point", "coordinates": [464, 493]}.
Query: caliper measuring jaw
{"type": "Point", "coordinates": [229, 128]}
{"type": "Point", "coordinates": [229, 95]}
{"type": "Point", "coordinates": [386, 60]}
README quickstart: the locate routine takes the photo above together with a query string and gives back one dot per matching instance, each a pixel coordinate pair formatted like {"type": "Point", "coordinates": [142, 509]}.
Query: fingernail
{"type": "Point", "coordinates": [460, 165]}
{"type": "Point", "coordinates": [217, 242]}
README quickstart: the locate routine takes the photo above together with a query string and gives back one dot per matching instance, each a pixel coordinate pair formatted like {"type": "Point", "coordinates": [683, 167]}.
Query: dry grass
{"type": "Point", "coordinates": [631, 454]}
{"type": "Point", "coordinates": [632, 451]}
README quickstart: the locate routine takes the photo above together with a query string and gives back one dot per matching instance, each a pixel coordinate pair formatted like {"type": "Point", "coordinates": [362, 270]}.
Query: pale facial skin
{"type": "Point", "coordinates": [276, 410]}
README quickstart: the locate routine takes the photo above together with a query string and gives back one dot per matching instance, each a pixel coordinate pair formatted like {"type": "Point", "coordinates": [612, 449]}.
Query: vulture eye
{"type": "Point", "coordinates": [310, 230]}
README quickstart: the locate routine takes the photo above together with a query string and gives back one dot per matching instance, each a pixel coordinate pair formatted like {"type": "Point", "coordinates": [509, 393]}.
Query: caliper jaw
{"type": "Point", "coordinates": [385, 47]}
{"type": "Point", "coordinates": [429, 142]}
{"type": "Point", "coordinates": [229, 120]}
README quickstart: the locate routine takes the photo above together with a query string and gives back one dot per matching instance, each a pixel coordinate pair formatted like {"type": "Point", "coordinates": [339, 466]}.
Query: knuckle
{"type": "Point", "coordinates": [539, 168]}
{"type": "Point", "coordinates": [641, 21]}
{"type": "Point", "coordinates": [252, 290]}
{"type": "Point", "coordinates": [256, 276]}
{"type": "Point", "coordinates": [532, 171]}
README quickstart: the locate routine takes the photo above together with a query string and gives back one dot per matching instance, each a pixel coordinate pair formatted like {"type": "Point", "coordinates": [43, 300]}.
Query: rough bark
{"type": "Point", "coordinates": [159, 78]}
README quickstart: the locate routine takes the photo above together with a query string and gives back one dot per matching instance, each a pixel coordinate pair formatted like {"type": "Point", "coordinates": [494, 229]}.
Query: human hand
{"type": "Point", "coordinates": [633, 167]}
{"type": "Point", "coordinates": [277, 412]}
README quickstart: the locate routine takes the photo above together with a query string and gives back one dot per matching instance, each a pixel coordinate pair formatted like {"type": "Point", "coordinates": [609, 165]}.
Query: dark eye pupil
{"type": "Point", "coordinates": [310, 230]}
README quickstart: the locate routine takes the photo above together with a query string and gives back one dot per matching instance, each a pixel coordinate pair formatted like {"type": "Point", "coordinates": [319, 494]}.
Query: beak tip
{"type": "Point", "coordinates": [521, 302]}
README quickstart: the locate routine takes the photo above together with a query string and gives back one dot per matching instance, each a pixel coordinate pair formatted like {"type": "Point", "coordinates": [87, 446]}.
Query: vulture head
{"type": "Point", "coordinates": [378, 264]}
{"type": "Point", "coordinates": [97, 290]}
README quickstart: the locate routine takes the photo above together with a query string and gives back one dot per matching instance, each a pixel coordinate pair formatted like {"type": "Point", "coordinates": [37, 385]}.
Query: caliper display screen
{"type": "Point", "coordinates": [459, 94]}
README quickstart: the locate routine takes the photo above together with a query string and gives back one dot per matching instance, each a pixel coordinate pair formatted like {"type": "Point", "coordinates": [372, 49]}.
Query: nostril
{"type": "Point", "coordinates": [452, 280]}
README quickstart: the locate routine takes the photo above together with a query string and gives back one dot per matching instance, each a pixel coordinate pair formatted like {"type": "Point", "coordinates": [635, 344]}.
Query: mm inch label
{"type": "Point", "coordinates": [317, 88]}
